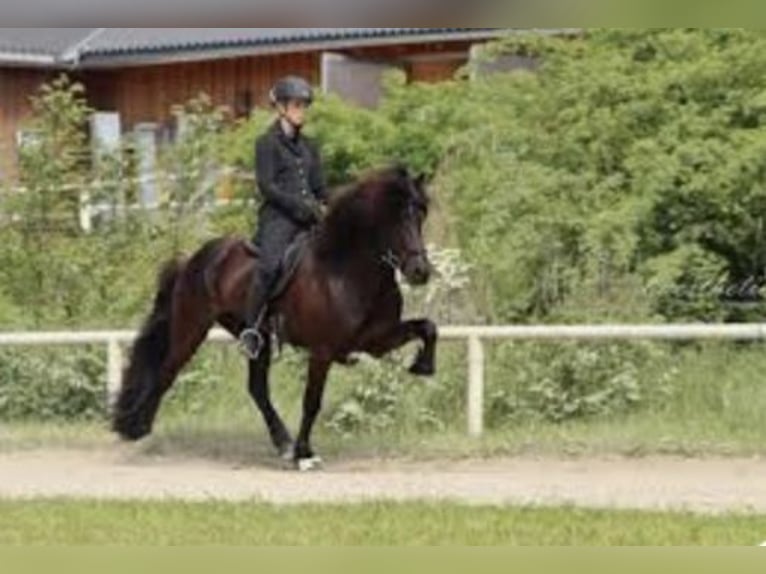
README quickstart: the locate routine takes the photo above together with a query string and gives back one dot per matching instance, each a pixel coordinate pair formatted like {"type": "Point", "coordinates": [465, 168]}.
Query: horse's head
{"type": "Point", "coordinates": [382, 215]}
{"type": "Point", "coordinates": [405, 208]}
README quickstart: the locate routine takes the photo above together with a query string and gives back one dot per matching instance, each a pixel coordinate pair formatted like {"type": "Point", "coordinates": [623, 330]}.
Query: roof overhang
{"type": "Point", "coordinates": [79, 58]}
{"type": "Point", "coordinates": [206, 53]}
{"type": "Point", "coordinates": [26, 60]}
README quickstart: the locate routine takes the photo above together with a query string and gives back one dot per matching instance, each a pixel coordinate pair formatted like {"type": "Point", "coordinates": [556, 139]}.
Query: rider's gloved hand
{"type": "Point", "coordinates": [317, 210]}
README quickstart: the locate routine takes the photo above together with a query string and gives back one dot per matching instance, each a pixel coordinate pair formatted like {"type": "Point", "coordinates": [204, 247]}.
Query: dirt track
{"type": "Point", "coordinates": [713, 485]}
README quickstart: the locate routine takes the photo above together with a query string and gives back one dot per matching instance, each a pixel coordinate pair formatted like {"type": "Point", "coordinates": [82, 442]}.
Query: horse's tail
{"type": "Point", "coordinates": [141, 390]}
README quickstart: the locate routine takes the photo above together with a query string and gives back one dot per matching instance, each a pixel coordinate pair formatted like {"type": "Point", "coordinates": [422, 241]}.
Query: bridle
{"type": "Point", "coordinates": [390, 259]}
{"type": "Point", "coordinates": [393, 261]}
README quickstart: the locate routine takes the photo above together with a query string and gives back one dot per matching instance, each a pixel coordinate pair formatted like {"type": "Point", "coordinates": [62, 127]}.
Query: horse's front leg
{"type": "Point", "coordinates": [319, 367]}
{"type": "Point", "coordinates": [403, 333]}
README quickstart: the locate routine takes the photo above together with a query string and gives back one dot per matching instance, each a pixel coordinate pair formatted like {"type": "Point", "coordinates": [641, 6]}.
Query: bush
{"type": "Point", "coordinates": [558, 383]}
{"type": "Point", "coordinates": [624, 180]}
{"type": "Point", "coordinates": [52, 385]}
{"type": "Point", "coordinates": [625, 149]}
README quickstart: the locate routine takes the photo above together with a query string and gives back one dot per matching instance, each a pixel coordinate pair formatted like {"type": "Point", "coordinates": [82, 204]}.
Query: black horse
{"type": "Point", "coordinates": [342, 298]}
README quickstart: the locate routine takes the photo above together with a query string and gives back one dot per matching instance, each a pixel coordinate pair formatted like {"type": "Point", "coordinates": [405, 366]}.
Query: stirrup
{"type": "Point", "coordinates": [249, 352]}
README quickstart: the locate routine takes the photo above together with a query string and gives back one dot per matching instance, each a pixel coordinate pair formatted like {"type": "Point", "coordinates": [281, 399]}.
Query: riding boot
{"type": "Point", "coordinates": [251, 340]}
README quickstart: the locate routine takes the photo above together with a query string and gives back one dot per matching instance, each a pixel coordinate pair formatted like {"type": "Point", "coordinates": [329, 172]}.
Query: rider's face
{"type": "Point", "coordinates": [294, 112]}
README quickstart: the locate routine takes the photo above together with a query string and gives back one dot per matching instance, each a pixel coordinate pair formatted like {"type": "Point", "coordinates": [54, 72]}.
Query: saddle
{"type": "Point", "coordinates": [290, 261]}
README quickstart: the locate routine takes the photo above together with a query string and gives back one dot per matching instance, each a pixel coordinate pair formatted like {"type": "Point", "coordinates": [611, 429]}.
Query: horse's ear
{"type": "Point", "coordinates": [401, 171]}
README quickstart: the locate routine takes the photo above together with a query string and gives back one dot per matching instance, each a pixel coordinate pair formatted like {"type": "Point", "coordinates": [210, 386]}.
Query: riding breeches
{"type": "Point", "coordinates": [273, 237]}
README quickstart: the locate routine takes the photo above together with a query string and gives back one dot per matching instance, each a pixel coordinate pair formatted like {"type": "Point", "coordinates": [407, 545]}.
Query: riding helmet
{"type": "Point", "coordinates": [292, 88]}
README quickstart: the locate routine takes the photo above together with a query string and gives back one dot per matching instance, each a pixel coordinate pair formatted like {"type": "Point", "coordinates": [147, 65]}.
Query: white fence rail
{"type": "Point", "coordinates": [115, 342]}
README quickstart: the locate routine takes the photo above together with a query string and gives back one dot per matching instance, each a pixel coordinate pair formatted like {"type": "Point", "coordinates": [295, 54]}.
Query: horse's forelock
{"type": "Point", "coordinates": [373, 195]}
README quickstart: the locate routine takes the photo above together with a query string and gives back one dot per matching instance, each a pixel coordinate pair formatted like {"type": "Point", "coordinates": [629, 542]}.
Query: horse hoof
{"type": "Point", "coordinates": [350, 361]}
{"type": "Point", "coordinates": [309, 464]}
{"type": "Point", "coordinates": [422, 370]}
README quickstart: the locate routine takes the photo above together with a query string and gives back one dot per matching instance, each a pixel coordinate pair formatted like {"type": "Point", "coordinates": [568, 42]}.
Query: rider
{"type": "Point", "coordinates": [290, 179]}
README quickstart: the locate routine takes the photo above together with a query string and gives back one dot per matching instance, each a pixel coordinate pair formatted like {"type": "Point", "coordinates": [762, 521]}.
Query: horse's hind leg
{"type": "Point", "coordinates": [423, 329]}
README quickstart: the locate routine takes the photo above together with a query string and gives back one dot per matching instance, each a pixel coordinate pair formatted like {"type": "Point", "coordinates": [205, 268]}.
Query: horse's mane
{"type": "Point", "coordinates": [360, 212]}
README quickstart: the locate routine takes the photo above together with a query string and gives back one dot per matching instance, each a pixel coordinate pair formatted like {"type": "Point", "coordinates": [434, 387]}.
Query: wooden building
{"type": "Point", "coordinates": [140, 73]}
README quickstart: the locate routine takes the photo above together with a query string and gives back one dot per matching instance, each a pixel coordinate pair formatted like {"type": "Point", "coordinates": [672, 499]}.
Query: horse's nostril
{"type": "Point", "coordinates": [422, 275]}
{"type": "Point", "coordinates": [418, 272]}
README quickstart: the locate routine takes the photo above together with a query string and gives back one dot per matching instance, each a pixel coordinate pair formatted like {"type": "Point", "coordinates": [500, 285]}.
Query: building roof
{"type": "Point", "coordinates": [115, 40]}
{"type": "Point", "coordinates": [48, 41]}
{"type": "Point", "coordinates": [123, 46]}
{"type": "Point", "coordinates": [38, 45]}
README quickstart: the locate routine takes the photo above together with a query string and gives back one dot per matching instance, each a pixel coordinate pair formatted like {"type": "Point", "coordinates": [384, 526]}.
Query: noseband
{"type": "Point", "coordinates": [392, 260]}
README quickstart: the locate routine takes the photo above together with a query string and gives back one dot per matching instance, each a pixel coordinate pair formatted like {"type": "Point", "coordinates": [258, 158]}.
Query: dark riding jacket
{"type": "Point", "coordinates": [291, 182]}
{"type": "Point", "coordinates": [289, 176]}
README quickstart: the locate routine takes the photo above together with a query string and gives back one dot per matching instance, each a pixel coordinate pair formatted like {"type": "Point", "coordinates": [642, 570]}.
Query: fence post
{"type": "Point", "coordinates": [475, 394]}
{"type": "Point", "coordinates": [113, 371]}
{"type": "Point", "coordinates": [86, 213]}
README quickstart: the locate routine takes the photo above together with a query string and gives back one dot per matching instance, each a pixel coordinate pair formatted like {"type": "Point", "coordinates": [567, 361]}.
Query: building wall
{"type": "Point", "coordinates": [147, 93]}
{"type": "Point", "coordinates": [16, 87]}
{"type": "Point", "coordinates": [434, 62]}
{"type": "Point", "coordinates": [436, 70]}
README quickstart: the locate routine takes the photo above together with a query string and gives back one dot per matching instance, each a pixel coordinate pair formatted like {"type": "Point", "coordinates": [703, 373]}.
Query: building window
{"type": "Point", "coordinates": [355, 80]}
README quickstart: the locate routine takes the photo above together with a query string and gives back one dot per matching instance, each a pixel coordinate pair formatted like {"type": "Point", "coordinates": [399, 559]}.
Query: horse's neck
{"type": "Point", "coordinates": [371, 272]}
{"type": "Point", "coordinates": [354, 261]}
{"type": "Point", "coordinates": [362, 271]}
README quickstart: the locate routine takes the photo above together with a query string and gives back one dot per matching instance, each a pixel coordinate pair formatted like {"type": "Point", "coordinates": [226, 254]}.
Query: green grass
{"type": "Point", "coordinates": [172, 523]}
{"type": "Point", "coordinates": [715, 408]}
{"type": "Point", "coordinates": [712, 404]}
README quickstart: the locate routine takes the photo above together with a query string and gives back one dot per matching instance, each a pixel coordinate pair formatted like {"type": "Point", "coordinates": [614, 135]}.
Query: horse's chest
{"type": "Point", "coordinates": [332, 315]}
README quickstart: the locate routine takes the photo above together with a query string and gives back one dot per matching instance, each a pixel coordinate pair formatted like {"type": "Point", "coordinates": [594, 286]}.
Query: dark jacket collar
{"type": "Point", "coordinates": [293, 143]}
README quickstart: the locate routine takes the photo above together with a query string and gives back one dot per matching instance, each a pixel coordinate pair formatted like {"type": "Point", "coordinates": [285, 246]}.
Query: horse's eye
{"type": "Point", "coordinates": [416, 211]}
